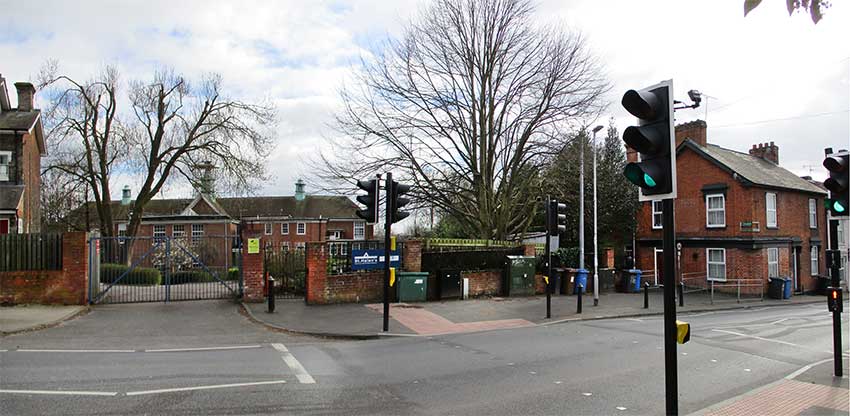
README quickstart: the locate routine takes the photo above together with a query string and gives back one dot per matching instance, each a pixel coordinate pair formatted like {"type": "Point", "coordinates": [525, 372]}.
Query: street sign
{"type": "Point", "coordinates": [373, 259]}
{"type": "Point", "coordinates": [253, 246]}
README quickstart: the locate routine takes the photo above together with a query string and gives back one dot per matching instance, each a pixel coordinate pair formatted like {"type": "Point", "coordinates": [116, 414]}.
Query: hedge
{"type": "Point", "coordinates": [198, 276]}
{"type": "Point", "coordinates": [109, 272]}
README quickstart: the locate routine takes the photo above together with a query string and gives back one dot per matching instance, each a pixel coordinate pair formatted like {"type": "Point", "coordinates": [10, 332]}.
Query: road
{"type": "Point", "coordinates": [157, 359]}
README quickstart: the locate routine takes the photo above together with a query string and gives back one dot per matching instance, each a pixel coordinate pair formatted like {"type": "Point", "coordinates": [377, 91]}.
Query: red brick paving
{"type": "Point", "coordinates": [788, 397]}
{"type": "Point", "coordinates": [424, 322]}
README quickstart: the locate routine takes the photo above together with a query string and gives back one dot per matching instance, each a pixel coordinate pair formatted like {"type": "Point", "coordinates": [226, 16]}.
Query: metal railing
{"type": "Point", "coordinates": [737, 285]}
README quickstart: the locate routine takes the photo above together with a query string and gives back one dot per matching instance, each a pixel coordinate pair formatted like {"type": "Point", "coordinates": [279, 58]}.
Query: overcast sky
{"type": "Point", "coordinates": [774, 77]}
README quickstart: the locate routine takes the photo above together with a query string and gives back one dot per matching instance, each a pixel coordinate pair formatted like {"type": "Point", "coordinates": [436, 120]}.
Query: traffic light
{"type": "Point", "coordinates": [837, 183]}
{"type": "Point", "coordinates": [397, 201]}
{"type": "Point", "coordinates": [370, 200]}
{"type": "Point", "coordinates": [556, 220]}
{"type": "Point", "coordinates": [654, 140]}
{"type": "Point", "coordinates": [834, 301]}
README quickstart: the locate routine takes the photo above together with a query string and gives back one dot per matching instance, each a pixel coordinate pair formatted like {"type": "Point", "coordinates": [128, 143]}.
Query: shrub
{"type": "Point", "coordinates": [109, 272]}
{"type": "Point", "coordinates": [232, 273]}
{"type": "Point", "coordinates": [190, 276]}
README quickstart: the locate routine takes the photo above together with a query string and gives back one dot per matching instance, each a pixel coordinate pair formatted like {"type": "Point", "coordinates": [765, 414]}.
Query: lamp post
{"type": "Point", "coordinates": [595, 231]}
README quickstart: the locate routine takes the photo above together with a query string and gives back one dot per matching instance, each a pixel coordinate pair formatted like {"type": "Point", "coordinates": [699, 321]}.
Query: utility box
{"type": "Point", "coordinates": [412, 286]}
{"type": "Point", "coordinates": [449, 284]}
{"type": "Point", "coordinates": [519, 276]}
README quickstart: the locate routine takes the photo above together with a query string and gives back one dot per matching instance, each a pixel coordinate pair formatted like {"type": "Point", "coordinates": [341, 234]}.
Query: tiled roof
{"type": "Point", "coordinates": [18, 120]}
{"type": "Point", "coordinates": [754, 169]}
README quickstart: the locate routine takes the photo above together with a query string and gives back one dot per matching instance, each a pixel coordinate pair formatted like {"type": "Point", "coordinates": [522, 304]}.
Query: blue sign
{"type": "Point", "coordinates": [373, 259]}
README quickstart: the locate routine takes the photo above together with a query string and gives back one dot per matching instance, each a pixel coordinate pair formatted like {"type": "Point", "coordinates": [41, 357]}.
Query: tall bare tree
{"type": "Point", "coordinates": [468, 105]}
{"type": "Point", "coordinates": [171, 126]}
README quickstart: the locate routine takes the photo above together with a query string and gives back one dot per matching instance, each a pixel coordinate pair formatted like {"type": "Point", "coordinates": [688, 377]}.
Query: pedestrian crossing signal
{"type": "Point", "coordinates": [683, 332]}
{"type": "Point", "coordinates": [834, 299]}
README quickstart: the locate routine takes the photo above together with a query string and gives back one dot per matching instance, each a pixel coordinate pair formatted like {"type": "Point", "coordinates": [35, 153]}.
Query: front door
{"type": "Point", "coordinates": [659, 267]}
{"type": "Point", "coordinates": [4, 226]}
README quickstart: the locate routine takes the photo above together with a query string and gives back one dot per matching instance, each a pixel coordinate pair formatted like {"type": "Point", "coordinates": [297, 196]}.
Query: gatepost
{"type": "Point", "coordinates": [252, 267]}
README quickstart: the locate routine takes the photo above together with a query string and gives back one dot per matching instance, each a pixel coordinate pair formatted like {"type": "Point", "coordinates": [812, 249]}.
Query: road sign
{"type": "Point", "coordinates": [373, 259]}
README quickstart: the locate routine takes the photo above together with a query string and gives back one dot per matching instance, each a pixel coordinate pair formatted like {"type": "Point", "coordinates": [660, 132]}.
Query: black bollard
{"type": "Point", "coordinates": [271, 294]}
{"type": "Point", "coordinates": [646, 295]}
{"type": "Point", "coordinates": [681, 294]}
{"type": "Point", "coordinates": [578, 305]}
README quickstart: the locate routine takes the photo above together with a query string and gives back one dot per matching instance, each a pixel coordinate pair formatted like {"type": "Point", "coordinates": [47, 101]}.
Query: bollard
{"type": "Point", "coordinates": [646, 295]}
{"type": "Point", "coordinates": [578, 305]}
{"type": "Point", "coordinates": [681, 294]}
{"type": "Point", "coordinates": [271, 294]}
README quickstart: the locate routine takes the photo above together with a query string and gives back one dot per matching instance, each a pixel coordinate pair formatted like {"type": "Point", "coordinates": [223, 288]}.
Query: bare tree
{"type": "Point", "coordinates": [468, 106]}
{"type": "Point", "coordinates": [173, 126]}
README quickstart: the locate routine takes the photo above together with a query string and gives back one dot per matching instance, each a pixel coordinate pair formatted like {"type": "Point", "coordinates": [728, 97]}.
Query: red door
{"type": "Point", "coordinates": [4, 226]}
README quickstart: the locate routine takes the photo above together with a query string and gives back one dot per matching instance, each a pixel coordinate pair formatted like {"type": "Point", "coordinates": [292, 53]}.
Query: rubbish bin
{"type": "Point", "coordinates": [519, 276]}
{"type": "Point", "coordinates": [412, 286]}
{"type": "Point", "coordinates": [786, 293]}
{"type": "Point", "coordinates": [776, 288]}
{"type": "Point", "coordinates": [581, 279]}
{"type": "Point", "coordinates": [635, 283]}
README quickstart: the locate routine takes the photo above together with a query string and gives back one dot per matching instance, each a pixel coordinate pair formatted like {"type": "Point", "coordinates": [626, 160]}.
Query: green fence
{"type": "Point", "coordinates": [461, 244]}
{"type": "Point", "coordinates": [19, 252]}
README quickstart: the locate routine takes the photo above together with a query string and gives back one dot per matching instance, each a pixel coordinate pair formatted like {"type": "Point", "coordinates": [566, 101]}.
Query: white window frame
{"type": "Point", "coordinates": [5, 168]}
{"type": "Point", "coordinates": [814, 261]}
{"type": "Point", "coordinates": [178, 230]}
{"type": "Point", "coordinates": [813, 213]}
{"type": "Point", "coordinates": [284, 228]}
{"type": "Point", "coordinates": [709, 263]}
{"type": "Point", "coordinates": [775, 263]}
{"type": "Point", "coordinates": [359, 230]}
{"type": "Point", "coordinates": [268, 228]}
{"type": "Point", "coordinates": [301, 228]}
{"type": "Point", "coordinates": [708, 210]}
{"type": "Point", "coordinates": [159, 230]}
{"type": "Point", "coordinates": [660, 215]}
{"type": "Point", "coordinates": [300, 245]}
{"type": "Point", "coordinates": [768, 210]}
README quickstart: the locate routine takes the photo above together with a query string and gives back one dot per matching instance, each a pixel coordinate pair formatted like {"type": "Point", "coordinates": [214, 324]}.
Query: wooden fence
{"type": "Point", "coordinates": [20, 252]}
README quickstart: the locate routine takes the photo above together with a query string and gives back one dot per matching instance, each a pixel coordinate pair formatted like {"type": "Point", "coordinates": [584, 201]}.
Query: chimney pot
{"type": "Point", "coordinates": [26, 95]}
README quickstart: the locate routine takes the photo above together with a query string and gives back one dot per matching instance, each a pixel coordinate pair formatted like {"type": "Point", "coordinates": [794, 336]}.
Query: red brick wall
{"type": "Point", "coordinates": [484, 282]}
{"type": "Point", "coordinates": [68, 286]}
{"type": "Point", "coordinates": [315, 231]}
{"type": "Point", "coordinates": [32, 184]}
{"type": "Point", "coordinates": [355, 287]}
{"type": "Point", "coordinates": [252, 270]}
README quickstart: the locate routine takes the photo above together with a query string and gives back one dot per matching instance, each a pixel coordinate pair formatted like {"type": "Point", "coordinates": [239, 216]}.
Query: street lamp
{"type": "Point", "coordinates": [595, 231]}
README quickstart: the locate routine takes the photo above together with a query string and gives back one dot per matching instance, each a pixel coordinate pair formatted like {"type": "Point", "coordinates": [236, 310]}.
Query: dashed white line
{"type": "Point", "coordinates": [300, 372]}
{"type": "Point", "coordinates": [771, 340]}
{"type": "Point", "coordinates": [217, 386]}
{"type": "Point", "coordinates": [231, 347]}
{"type": "Point", "coordinates": [64, 351]}
{"type": "Point", "coordinates": [62, 392]}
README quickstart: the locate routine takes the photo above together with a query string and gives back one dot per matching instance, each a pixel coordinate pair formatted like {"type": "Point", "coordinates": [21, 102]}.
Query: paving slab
{"type": "Point", "coordinates": [340, 320]}
{"type": "Point", "coordinates": [21, 318]}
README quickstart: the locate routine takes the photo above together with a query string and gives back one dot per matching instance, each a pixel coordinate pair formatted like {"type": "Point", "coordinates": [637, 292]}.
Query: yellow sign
{"type": "Point", "coordinates": [392, 276]}
{"type": "Point", "coordinates": [253, 246]}
{"type": "Point", "coordinates": [683, 332]}
{"type": "Point", "coordinates": [392, 242]}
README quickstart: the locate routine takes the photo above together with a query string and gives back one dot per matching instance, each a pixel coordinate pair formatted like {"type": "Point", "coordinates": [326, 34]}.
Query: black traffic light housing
{"type": "Point", "coordinates": [370, 200]}
{"type": "Point", "coordinates": [555, 221]}
{"type": "Point", "coordinates": [396, 201]}
{"type": "Point", "coordinates": [834, 299]}
{"type": "Point", "coordinates": [838, 166]}
{"type": "Point", "coordinates": [654, 139]}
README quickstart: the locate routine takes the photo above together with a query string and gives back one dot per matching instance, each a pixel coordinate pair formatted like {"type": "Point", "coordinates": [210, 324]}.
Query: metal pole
{"type": "Point", "coordinates": [834, 271]}
{"type": "Point", "coordinates": [646, 295]}
{"type": "Point", "coordinates": [595, 231]}
{"type": "Point", "coordinates": [681, 286]}
{"type": "Point", "coordinates": [578, 305]}
{"type": "Point", "coordinates": [669, 268]}
{"type": "Point", "coordinates": [581, 206]}
{"type": "Point", "coordinates": [548, 258]}
{"type": "Point", "coordinates": [271, 294]}
{"type": "Point", "coordinates": [387, 229]}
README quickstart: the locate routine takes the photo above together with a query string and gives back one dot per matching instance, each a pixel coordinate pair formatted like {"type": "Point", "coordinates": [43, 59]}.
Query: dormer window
{"type": "Point", "coordinates": [5, 165]}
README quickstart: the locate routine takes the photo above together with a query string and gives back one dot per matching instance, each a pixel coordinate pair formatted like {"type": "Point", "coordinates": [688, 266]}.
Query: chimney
{"type": "Point", "coordinates": [26, 95]}
{"type": "Point", "coordinates": [769, 152]}
{"type": "Point", "coordinates": [125, 195]}
{"type": "Point", "coordinates": [299, 190]}
{"type": "Point", "coordinates": [694, 130]}
{"type": "Point", "coordinates": [207, 183]}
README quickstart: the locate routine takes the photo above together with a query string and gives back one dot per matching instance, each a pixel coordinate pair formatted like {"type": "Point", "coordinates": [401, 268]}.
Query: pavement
{"type": "Point", "coordinates": [20, 318]}
{"type": "Point", "coordinates": [457, 316]}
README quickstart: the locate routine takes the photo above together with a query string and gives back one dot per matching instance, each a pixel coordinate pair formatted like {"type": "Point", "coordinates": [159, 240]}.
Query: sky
{"type": "Point", "coordinates": [770, 77]}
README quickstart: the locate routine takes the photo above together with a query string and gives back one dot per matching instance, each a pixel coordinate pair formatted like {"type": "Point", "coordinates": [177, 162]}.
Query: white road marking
{"type": "Point", "coordinates": [634, 319]}
{"type": "Point", "coordinates": [714, 361]}
{"type": "Point", "coordinates": [4, 350]}
{"type": "Point", "coordinates": [217, 386]}
{"type": "Point", "coordinates": [621, 408]}
{"type": "Point", "coordinates": [805, 368]}
{"type": "Point", "coordinates": [558, 382]}
{"type": "Point", "coordinates": [300, 372]}
{"type": "Point", "coordinates": [587, 394]}
{"type": "Point", "coordinates": [63, 392]}
{"type": "Point", "coordinates": [232, 347]}
{"type": "Point", "coordinates": [532, 372]}
{"type": "Point", "coordinates": [748, 370]}
{"type": "Point", "coordinates": [63, 351]}
{"type": "Point", "coordinates": [771, 340]}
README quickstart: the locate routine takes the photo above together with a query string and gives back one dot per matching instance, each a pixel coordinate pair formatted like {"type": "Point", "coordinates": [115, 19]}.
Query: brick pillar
{"type": "Point", "coordinates": [316, 283]}
{"type": "Point", "coordinates": [412, 257]}
{"type": "Point", "coordinates": [529, 250]}
{"type": "Point", "coordinates": [75, 266]}
{"type": "Point", "coordinates": [252, 269]}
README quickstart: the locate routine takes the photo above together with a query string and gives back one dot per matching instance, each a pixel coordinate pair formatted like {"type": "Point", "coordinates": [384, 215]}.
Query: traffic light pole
{"type": "Point", "coordinates": [387, 229]}
{"type": "Point", "coordinates": [835, 274]}
{"type": "Point", "coordinates": [669, 269]}
{"type": "Point", "coordinates": [548, 257]}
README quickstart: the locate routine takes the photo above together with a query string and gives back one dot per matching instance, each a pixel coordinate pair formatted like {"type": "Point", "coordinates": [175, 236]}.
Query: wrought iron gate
{"type": "Point", "coordinates": [289, 269]}
{"type": "Point", "coordinates": [163, 269]}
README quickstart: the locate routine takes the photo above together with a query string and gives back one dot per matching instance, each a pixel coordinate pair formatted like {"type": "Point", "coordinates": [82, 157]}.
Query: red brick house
{"type": "Point", "coordinates": [738, 216]}
{"type": "Point", "coordinates": [21, 149]}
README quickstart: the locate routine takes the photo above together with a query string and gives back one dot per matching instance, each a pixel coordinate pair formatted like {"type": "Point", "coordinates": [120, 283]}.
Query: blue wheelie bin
{"type": "Point", "coordinates": [637, 273]}
{"type": "Point", "coordinates": [786, 293]}
{"type": "Point", "coordinates": [581, 279]}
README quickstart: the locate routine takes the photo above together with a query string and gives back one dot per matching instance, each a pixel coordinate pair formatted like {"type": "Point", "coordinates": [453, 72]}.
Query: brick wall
{"type": "Point", "coordinates": [484, 282]}
{"type": "Point", "coordinates": [68, 286]}
{"type": "Point", "coordinates": [252, 270]}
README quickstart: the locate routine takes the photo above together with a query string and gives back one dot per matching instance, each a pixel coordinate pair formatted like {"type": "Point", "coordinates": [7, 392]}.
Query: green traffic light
{"type": "Point", "coordinates": [837, 207]}
{"type": "Point", "coordinates": [648, 181]}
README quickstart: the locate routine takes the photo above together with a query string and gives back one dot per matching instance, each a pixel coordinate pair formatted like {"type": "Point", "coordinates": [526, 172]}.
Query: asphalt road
{"type": "Point", "coordinates": [111, 361]}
